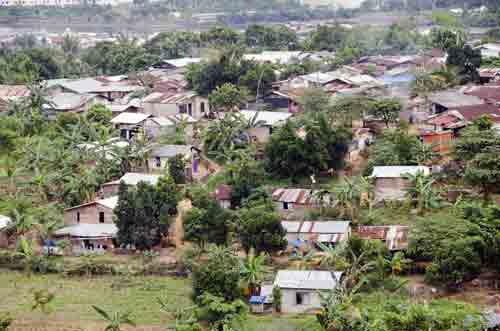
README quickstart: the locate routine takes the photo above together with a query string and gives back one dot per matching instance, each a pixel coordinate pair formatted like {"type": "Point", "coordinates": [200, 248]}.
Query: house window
{"type": "Point", "coordinates": [300, 298]}
{"type": "Point", "coordinates": [158, 162]}
{"type": "Point", "coordinates": [101, 217]}
{"type": "Point", "coordinates": [202, 107]}
{"type": "Point", "coordinates": [285, 205]}
{"type": "Point", "coordinates": [190, 109]}
{"type": "Point", "coordinates": [77, 217]}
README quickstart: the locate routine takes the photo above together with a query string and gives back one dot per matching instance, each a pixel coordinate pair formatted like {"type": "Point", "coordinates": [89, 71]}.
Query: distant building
{"type": "Point", "coordinates": [12, 93]}
{"type": "Point", "coordinates": [130, 179]}
{"type": "Point", "coordinates": [165, 104]}
{"type": "Point", "coordinates": [310, 233]}
{"type": "Point", "coordinates": [390, 181]}
{"type": "Point", "coordinates": [37, 3]}
{"type": "Point", "coordinates": [395, 237]}
{"type": "Point", "coordinates": [267, 122]}
{"type": "Point", "coordinates": [489, 50]}
{"type": "Point", "coordinates": [445, 100]}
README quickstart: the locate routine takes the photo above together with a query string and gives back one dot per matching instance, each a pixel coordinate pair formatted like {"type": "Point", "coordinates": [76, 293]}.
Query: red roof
{"type": "Point", "coordinates": [470, 113]}
{"type": "Point", "coordinates": [13, 91]}
{"type": "Point", "coordinates": [491, 93]}
{"type": "Point", "coordinates": [223, 192]}
{"type": "Point", "coordinates": [443, 120]}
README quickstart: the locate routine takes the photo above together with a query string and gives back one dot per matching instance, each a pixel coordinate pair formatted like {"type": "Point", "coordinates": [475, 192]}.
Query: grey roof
{"type": "Point", "coordinates": [269, 118]}
{"type": "Point", "coordinates": [110, 203]}
{"type": "Point", "coordinates": [316, 226]}
{"type": "Point", "coordinates": [130, 118]}
{"type": "Point", "coordinates": [84, 85]}
{"type": "Point", "coordinates": [397, 171]}
{"type": "Point", "coordinates": [451, 99]}
{"type": "Point", "coordinates": [307, 279]}
{"type": "Point", "coordinates": [100, 230]}
{"type": "Point", "coordinates": [132, 178]}
{"type": "Point", "coordinates": [68, 101]}
{"type": "Point", "coordinates": [171, 150]}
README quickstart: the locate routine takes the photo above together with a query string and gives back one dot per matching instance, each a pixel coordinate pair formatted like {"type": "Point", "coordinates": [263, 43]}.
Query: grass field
{"type": "Point", "coordinates": [72, 310]}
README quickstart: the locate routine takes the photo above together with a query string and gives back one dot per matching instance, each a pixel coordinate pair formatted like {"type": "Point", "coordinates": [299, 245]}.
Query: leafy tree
{"type": "Point", "coordinates": [221, 314]}
{"type": "Point", "coordinates": [244, 175]}
{"type": "Point", "coordinates": [260, 229]}
{"type": "Point", "coordinates": [315, 100]}
{"type": "Point", "coordinates": [220, 275]}
{"type": "Point", "coordinates": [478, 149]}
{"type": "Point", "coordinates": [115, 320]}
{"type": "Point", "coordinates": [206, 222]}
{"type": "Point", "coordinates": [143, 214]}
{"type": "Point", "coordinates": [467, 60]}
{"type": "Point", "coordinates": [322, 148]}
{"type": "Point", "coordinates": [456, 262]}
{"type": "Point", "coordinates": [99, 114]}
{"type": "Point", "coordinates": [226, 98]}
{"type": "Point", "coordinates": [177, 169]}
{"type": "Point", "coordinates": [387, 110]}
{"type": "Point", "coordinates": [446, 39]}
{"type": "Point", "coordinates": [259, 80]}
{"type": "Point", "coordinates": [276, 38]}
{"type": "Point", "coordinates": [18, 69]}
{"type": "Point", "coordinates": [5, 322]}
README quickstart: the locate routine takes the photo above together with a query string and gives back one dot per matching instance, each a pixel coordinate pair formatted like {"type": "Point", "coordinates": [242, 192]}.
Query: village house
{"type": "Point", "coordinates": [90, 227]}
{"type": "Point", "coordinates": [488, 93]}
{"type": "Point", "coordinates": [489, 50]}
{"type": "Point", "coordinates": [309, 233]}
{"type": "Point", "coordinates": [390, 182]}
{"type": "Point", "coordinates": [70, 102]}
{"type": "Point", "coordinates": [489, 75]}
{"type": "Point", "coordinates": [129, 125]}
{"type": "Point", "coordinates": [165, 104]}
{"type": "Point", "coordinates": [395, 237]}
{"type": "Point", "coordinates": [196, 167]}
{"type": "Point", "coordinates": [176, 64]}
{"type": "Point", "coordinates": [301, 288]}
{"type": "Point", "coordinates": [446, 100]}
{"type": "Point", "coordinates": [12, 93]}
{"type": "Point", "coordinates": [440, 142]}
{"type": "Point", "coordinates": [296, 200]}
{"type": "Point", "coordinates": [130, 179]}
{"type": "Point", "coordinates": [458, 118]}
{"type": "Point", "coordinates": [266, 122]}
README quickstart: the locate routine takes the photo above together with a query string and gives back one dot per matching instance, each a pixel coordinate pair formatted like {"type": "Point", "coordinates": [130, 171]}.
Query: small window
{"type": "Point", "coordinates": [202, 107]}
{"type": "Point", "coordinates": [158, 162]}
{"type": "Point", "coordinates": [190, 109]}
{"type": "Point", "coordinates": [77, 217]}
{"type": "Point", "coordinates": [299, 298]}
{"type": "Point", "coordinates": [285, 205]}
{"type": "Point", "coordinates": [101, 217]}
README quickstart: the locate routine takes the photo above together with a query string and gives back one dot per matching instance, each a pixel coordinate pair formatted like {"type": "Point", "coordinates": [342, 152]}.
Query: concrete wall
{"type": "Point", "coordinates": [262, 134]}
{"type": "Point", "coordinates": [88, 214]}
{"type": "Point", "coordinates": [159, 109]}
{"type": "Point", "coordinates": [390, 188]}
{"type": "Point", "coordinates": [289, 301]}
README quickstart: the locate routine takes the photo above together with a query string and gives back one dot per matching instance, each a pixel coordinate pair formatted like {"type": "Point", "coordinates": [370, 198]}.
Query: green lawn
{"type": "Point", "coordinates": [74, 297]}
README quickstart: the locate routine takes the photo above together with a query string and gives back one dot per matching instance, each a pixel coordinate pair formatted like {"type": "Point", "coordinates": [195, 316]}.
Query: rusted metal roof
{"type": "Point", "coordinates": [169, 98]}
{"type": "Point", "coordinates": [394, 236]}
{"type": "Point", "coordinates": [10, 92]}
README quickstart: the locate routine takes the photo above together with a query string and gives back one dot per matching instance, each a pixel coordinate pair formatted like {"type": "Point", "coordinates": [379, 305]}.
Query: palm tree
{"type": "Point", "coordinates": [42, 300]}
{"type": "Point", "coordinates": [398, 263]}
{"type": "Point", "coordinates": [252, 271]}
{"type": "Point", "coordinates": [329, 255]}
{"type": "Point", "coordinates": [422, 191]}
{"type": "Point", "coordinates": [22, 222]}
{"type": "Point", "coordinates": [348, 195]}
{"type": "Point", "coordinates": [115, 320]}
{"type": "Point", "coordinates": [27, 253]}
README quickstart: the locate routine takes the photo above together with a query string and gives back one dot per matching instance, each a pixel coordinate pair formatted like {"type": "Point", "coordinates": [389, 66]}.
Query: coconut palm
{"type": "Point", "coordinates": [115, 320]}
{"type": "Point", "coordinates": [252, 271]}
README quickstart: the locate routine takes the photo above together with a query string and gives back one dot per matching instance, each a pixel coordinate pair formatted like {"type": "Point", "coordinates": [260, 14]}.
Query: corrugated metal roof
{"type": "Point", "coordinates": [109, 202]}
{"type": "Point", "coordinates": [270, 118]}
{"type": "Point", "coordinates": [101, 230]}
{"type": "Point", "coordinates": [68, 101]}
{"type": "Point", "coordinates": [130, 118]}
{"type": "Point", "coordinates": [183, 62]}
{"type": "Point", "coordinates": [398, 171]}
{"type": "Point", "coordinates": [169, 97]}
{"type": "Point", "coordinates": [394, 236]}
{"type": "Point", "coordinates": [316, 227]}
{"type": "Point", "coordinates": [11, 92]}
{"type": "Point", "coordinates": [310, 280]}
{"type": "Point", "coordinates": [133, 178]}
{"type": "Point", "coordinates": [171, 150]}
{"type": "Point", "coordinates": [451, 99]}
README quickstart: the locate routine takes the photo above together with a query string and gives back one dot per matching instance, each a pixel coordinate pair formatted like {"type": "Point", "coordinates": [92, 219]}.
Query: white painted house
{"type": "Point", "coordinates": [301, 288]}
